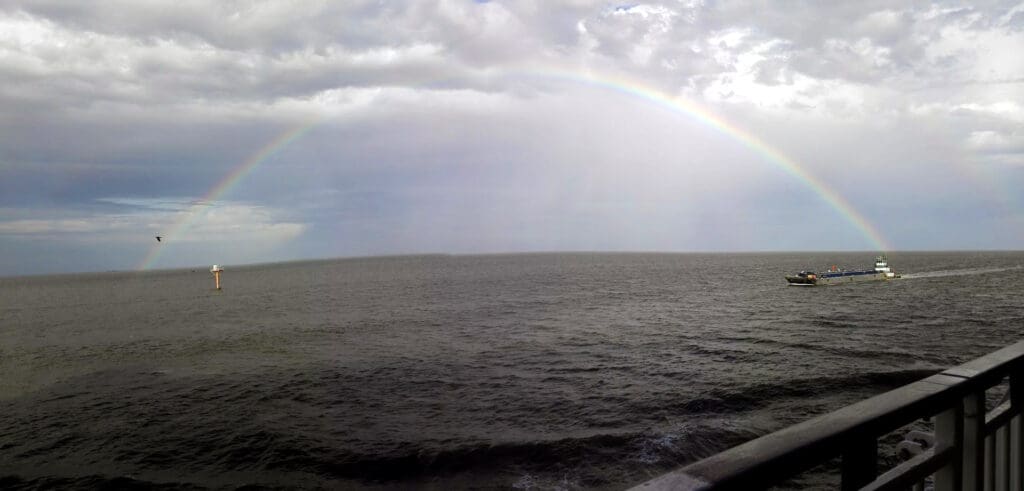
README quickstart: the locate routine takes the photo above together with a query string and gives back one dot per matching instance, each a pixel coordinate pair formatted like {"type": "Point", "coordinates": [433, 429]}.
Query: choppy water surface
{"type": "Point", "coordinates": [509, 371]}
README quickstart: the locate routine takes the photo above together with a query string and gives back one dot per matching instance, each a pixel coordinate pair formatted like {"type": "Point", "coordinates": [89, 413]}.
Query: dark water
{"type": "Point", "coordinates": [554, 371]}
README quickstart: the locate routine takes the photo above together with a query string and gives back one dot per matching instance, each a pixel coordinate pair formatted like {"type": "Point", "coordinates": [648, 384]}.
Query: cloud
{"type": "Point", "coordinates": [119, 233]}
{"type": "Point", "coordinates": [187, 53]}
{"type": "Point", "coordinates": [1011, 111]}
{"type": "Point", "coordinates": [479, 126]}
{"type": "Point", "coordinates": [48, 227]}
{"type": "Point", "coordinates": [1002, 147]}
{"type": "Point", "coordinates": [138, 220]}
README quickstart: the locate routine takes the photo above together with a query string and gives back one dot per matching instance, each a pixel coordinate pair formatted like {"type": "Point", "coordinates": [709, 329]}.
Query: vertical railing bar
{"type": "Point", "coordinates": [949, 432]}
{"type": "Point", "coordinates": [990, 468]}
{"type": "Point", "coordinates": [1014, 454]}
{"type": "Point", "coordinates": [1002, 472]}
{"type": "Point", "coordinates": [974, 442]}
{"type": "Point", "coordinates": [1005, 430]}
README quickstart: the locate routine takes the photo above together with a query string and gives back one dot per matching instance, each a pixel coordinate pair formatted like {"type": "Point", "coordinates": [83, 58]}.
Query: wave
{"type": "Point", "coordinates": [582, 461]}
{"type": "Point", "coordinates": [587, 458]}
{"type": "Point", "coordinates": [748, 398]}
{"type": "Point", "coordinates": [15, 482]}
{"type": "Point", "coordinates": [860, 353]}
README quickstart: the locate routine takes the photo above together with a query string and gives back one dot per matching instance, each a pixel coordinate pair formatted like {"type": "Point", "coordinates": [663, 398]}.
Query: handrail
{"type": "Point", "coordinates": [954, 397]}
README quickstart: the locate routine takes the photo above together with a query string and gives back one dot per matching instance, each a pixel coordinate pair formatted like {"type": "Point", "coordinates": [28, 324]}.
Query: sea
{"type": "Point", "coordinates": [514, 371]}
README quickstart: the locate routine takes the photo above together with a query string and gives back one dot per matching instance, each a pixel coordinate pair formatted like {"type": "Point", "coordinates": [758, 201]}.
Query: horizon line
{"type": "Point", "coordinates": [412, 254]}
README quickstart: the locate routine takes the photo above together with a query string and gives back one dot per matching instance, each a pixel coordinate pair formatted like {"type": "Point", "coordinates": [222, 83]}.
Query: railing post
{"type": "Point", "coordinates": [974, 442]}
{"type": "Point", "coordinates": [949, 433]}
{"type": "Point", "coordinates": [860, 464]}
{"type": "Point", "coordinates": [1017, 429]}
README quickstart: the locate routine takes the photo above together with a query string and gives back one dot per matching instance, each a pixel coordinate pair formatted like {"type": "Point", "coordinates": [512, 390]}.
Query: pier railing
{"type": "Point", "coordinates": [971, 447]}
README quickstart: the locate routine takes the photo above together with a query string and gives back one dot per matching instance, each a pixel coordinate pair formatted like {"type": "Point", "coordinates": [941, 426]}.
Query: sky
{"type": "Point", "coordinates": [257, 131]}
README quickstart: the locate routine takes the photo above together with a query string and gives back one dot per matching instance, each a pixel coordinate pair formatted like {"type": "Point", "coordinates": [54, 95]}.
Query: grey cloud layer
{"type": "Point", "coordinates": [162, 53]}
{"type": "Point", "coordinates": [445, 109]}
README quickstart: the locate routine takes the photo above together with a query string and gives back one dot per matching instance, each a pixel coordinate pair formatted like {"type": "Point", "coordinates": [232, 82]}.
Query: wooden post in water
{"type": "Point", "coordinates": [216, 275]}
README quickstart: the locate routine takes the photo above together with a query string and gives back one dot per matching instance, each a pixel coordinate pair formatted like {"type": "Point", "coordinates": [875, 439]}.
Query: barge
{"type": "Point", "coordinates": [836, 275]}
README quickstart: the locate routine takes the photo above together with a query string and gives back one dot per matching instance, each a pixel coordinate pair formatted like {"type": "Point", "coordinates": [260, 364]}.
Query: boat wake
{"type": "Point", "coordinates": [959, 272]}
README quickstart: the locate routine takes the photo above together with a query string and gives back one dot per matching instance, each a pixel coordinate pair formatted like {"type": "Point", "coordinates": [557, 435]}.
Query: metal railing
{"type": "Point", "coordinates": [971, 448]}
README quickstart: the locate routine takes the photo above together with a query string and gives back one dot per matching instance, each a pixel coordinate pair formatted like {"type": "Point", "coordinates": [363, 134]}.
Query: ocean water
{"type": "Point", "coordinates": [536, 371]}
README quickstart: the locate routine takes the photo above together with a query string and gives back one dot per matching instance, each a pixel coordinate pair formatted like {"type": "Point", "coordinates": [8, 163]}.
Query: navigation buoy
{"type": "Point", "coordinates": [216, 275]}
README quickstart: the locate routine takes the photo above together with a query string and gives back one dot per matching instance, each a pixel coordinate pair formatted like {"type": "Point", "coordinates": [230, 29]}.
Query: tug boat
{"type": "Point", "coordinates": [835, 275]}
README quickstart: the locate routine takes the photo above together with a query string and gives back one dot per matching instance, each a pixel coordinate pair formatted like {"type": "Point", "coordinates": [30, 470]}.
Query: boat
{"type": "Point", "coordinates": [836, 275]}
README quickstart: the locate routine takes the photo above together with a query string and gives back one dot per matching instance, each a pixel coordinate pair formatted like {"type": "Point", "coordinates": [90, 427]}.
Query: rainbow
{"type": "Point", "coordinates": [704, 116]}
{"type": "Point", "coordinates": [229, 181]}
{"type": "Point", "coordinates": [617, 84]}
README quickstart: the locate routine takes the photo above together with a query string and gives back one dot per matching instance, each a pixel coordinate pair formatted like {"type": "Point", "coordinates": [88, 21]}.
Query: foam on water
{"type": "Point", "coordinates": [960, 272]}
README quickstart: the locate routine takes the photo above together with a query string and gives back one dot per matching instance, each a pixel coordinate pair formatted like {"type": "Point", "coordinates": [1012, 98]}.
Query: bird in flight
{"type": "Point", "coordinates": [158, 238]}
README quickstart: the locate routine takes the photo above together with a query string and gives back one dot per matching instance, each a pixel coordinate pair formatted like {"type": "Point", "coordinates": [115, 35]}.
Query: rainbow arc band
{"type": "Point", "coordinates": [706, 117]}
{"type": "Point", "coordinates": [226, 183]}
{"type": "Point", "coordinates": [616, 84]}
